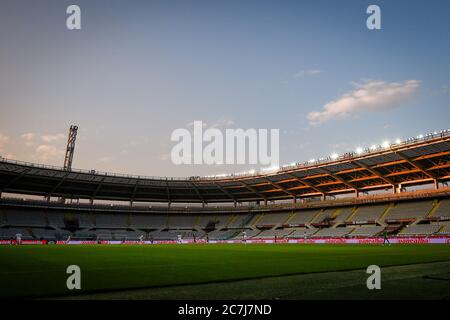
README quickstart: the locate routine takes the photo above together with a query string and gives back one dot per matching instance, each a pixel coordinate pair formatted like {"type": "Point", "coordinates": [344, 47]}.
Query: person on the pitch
{"type": "Point", "coordinates": [385, 238]}
{"type": "Point", "coordinates": [18, 238]}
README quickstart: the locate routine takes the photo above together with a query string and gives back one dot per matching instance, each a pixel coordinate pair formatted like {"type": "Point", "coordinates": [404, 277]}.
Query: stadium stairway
{"type": "Point", "coordinates": [433, 209]}
{"type": "Point", "coordinates": [230, 222]}
{"type": "Point", "coordinates": [257, 220]}
{"type": "Point", "coordinates": [350, 217]}
{"type": "Point", "coordinates": [436, 205]}
{"type": "Point", "coordinates": [291, 215]}
{"type": "Point", "coordinates": [336, 214]}
{"type": "Point", "coordinates": [384, 214]}
{"type": "Point", "coordinates": [318, 214]}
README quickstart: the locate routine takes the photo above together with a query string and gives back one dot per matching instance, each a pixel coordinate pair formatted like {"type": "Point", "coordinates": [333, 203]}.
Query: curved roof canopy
{"type": "Point", "coordinates": [420, 162]}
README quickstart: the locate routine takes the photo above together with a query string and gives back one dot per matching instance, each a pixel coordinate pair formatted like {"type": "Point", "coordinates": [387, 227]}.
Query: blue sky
{"type": "Point", "coordinates": [137, 70]}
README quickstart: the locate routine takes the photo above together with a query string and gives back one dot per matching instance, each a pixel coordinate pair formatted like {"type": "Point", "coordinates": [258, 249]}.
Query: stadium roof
{"type": "Point", "coordinates": [423, 160]}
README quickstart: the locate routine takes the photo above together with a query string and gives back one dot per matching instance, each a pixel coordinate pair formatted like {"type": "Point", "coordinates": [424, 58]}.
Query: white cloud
{"type": "Point", "coordinates": [369, 96]}
{"type": "Point", "coordinates": [50, 138]}
{"type": "Point", "coordinates": [46, 152]}
{"type": "Point", "coordinates": [222, 123]}
{"type": "Point", "coordinates": [28, 136]}
{"type": "Point", "coordinates": [307, 73]}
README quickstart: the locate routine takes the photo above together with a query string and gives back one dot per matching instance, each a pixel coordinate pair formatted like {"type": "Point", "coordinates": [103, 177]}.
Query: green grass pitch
{"type": "Point", "coordinates": [257, 271]}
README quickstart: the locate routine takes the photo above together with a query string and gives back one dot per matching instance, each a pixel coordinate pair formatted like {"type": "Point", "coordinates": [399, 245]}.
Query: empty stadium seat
{"type": "Point", "coordinates": [332, 232]}
{"type": "Point", "coordinates": [270, 234]}
{"type": "Point", "coordinates": [111, 220]}
{"type": "Point", "coordinates": [366, 231]}
{"type": "Point", "coordinates": [410, 210]}
{"type": "Point", "coordinates": [420, 230]}
{"type": "Point", "coordinates": [240, 220]}
{"type": "Point", "coordinates": [368, 212]}
{"type": "Point", "coordinates": [324, 215]}
{"type": "Point", "coordinates": [445, 230]}
{"type": "Point", "coordinates": [8, 233]}
{"type": "Point", "coordinates": [302, 232]}
{"type": "Point", "coordinates": [220, 235]}
{"type": "Point", "coordinates": [148, 221]}
{"type": "Point", "coordinates": [272, 219]}
{"type": "Point", "coordinates": [303, 217]}
{"type": "Point", "coordinates": [19, 217]}
{"type": "Point", "coordinates": [341, 215]}
{"type": "Point", "coordinates": [444, 209]}
{"type": "Point", "coordinates": [181, 221]}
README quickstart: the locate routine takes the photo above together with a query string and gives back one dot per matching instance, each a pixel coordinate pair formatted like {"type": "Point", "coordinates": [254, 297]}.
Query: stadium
{"type": "Point", "coordinates": [348, 203]}
{"type": "Point", "coordinates": [205, 155]}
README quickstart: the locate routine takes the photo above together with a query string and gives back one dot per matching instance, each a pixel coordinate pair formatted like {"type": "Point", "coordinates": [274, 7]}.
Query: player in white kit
{"type": "Point", "coordinates": [19, 238]}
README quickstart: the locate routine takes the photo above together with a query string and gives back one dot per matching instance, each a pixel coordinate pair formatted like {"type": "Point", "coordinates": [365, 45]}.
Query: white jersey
{"type": "Point", "coordinates": [18, 236]}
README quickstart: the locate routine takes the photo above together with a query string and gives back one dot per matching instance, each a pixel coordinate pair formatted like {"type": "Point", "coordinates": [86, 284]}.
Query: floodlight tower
{"type": "Point", "coordinates": [70, 147]}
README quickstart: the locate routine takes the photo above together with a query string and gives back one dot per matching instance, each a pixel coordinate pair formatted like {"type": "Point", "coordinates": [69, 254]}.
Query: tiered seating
{"type": "Point", "coordinates": [302, 217]}
{"type": "Point", "coordinates": [119, 235]}
{"type": "Point", "coordinates": [48, 234]}
{"type": "Point", "coordinates": [219, 221]}
{"type": "Point", "coordinates": [220, 235]}
{"type": "Point", "coordinates": [240, 220]}
{"type": "Point", "coordinates": [366, 231]}
{"type": "Point", "coordinates": [55, 219]}
{"type": "Point", "coordinates": [323, 215]}
{"type": "Point", "coordinates": [369, 213]}
{"type": "Point", "coordinates": [164, 235]}
{"type": "Point", "coordinates": [332, 232]}
{"type": "Point", "coordinates": [444, 209]}
{"type": "Point", "coordinates": [148, 221]}
{"type": "Point", "coordinates": [410, 210]}
{"type": "Point", "coordinates": [249, 234]}
{"type": "Point", "coordinates": [342, 214]}
{"type": "Point", "coordinates": [17, 217]}
{"type": "Point", "coordinates": [8, 233]}
{"type": "Point", "coordinates": [85, 220]}
{"type": "Point", "coordinates": [134, 235]}
{"type": "Point", "coordinates": [420, 230]}
{"type": "Point", "coordinates": [84, 235]}
{"type": "Point", "coordinates": [271, 219]}
{"type": "Point", "coordinates": [445, 231]}
{"type": "Point", "coordinates": [103, 234]}
{"type": "Point", "coordinates": [190, 234]}
{"type": "Point", "coordinates": [182, 221]}
{"type": "Point", "coordinates": [269, 234]}
{"type": "Point", "coordinates": [110, 220]}
{"type": "Point", "coordinates": [302, 232]}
